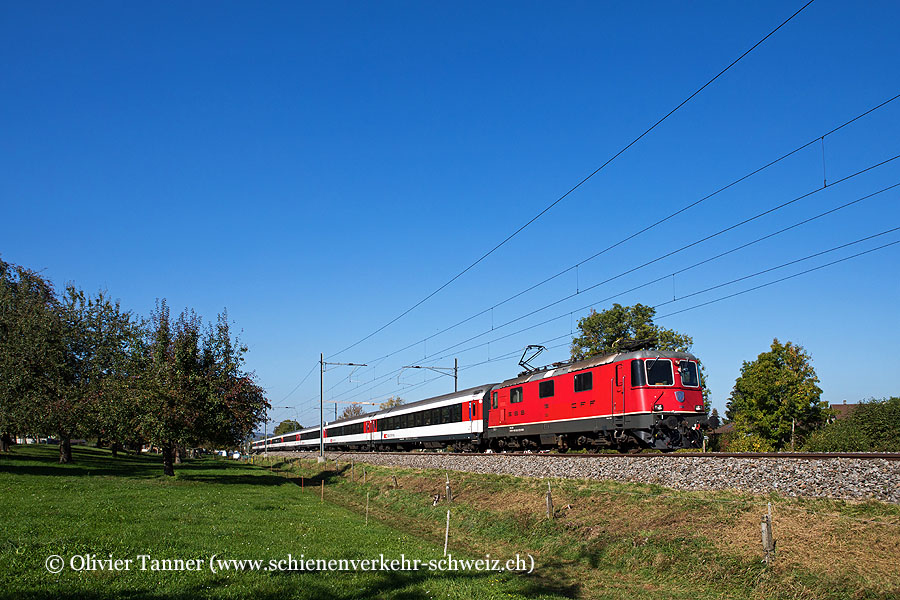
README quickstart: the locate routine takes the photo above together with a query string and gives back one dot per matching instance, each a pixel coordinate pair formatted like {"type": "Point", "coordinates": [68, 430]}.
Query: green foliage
{"type": "Point", "coordinates": [603, 332]}
{"type": "Point", "coordinates": [873, 426]}
{"type": "Point", "coordinates": [391, 402]}
{"type": "Point", "coordinates": [32, 357]}
{"type": "Point", "coordinates": [748, 442]}
{"type": "Point", "coordinates": [354, 410]}
{"type": "Point", "coordinates": [79, 365]}
{"type": "Point", "coordinates": [286, 426]}
{"type": "Point", "coordinates": [774, 392]}
{"type": "Point", "coordinates": [196, 393]}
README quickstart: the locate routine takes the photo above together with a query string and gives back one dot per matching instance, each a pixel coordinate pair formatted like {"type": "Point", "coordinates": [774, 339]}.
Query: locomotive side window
{"type": "Point", "coordinates": [659, 372]}
{"type": "Point", "coordinates": [584, 382]}
{"type": "Point", "coordinates": [494, 400]}
{"type": "Point", "coordinates": [545, 389]}
{"type": "Point", "coordinates": [688, 372]}
{"type": "Point", "coordinates": [637, 373]}
{"type": "Point", "coordinates": [515, 395]}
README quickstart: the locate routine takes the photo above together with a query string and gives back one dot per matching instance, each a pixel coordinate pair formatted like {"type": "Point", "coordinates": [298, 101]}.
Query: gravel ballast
{"type": "Point", "coordinates": [843, 478]}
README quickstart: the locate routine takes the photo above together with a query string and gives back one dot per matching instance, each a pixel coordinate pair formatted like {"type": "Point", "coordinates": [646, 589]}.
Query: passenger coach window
{"type": "Point", "coordinates": [545, 389]}
{"type": "Point", "coordinates": [515, 395]}
{"type": "Point", "coordinates": [688, 372]}
{"type": "Point", "coordinates": [584, 382]}
{"type": "Point", "coordinates": [659, 372]}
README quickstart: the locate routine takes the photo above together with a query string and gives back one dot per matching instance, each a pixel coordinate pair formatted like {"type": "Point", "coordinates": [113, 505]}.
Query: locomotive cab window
{"type": "Point", "coordinates": [659, 372]}
{"type": "Point", "coordinates": [545, 389]}
{"type": "Point", "coordinates": [515, 395]}
{"type": "Point", "coordinates": [637, 373]}
{"type": "Point", "coordinates": [688, 372]}
{"type": "Point", "coordinates": [494, 400]}
{"type": "Point", "coordinates": [584, 382]}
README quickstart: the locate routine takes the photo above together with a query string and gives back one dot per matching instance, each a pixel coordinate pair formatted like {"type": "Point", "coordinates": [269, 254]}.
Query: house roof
{"type": "Point", "coordinates": [842, 410]}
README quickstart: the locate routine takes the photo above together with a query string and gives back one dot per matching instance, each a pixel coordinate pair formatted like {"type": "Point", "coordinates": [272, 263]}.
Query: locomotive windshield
{"type": "Point", "coordinates": [659, 372]}
{"type": "Point", "coordinates": [688, 372]}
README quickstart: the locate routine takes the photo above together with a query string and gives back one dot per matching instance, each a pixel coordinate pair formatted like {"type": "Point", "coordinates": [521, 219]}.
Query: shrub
{"type": "Point", "coordinates": [873, 426]}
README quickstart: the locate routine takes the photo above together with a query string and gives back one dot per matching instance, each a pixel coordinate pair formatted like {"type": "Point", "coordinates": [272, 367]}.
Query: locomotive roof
{"type": "Point", "coordinates": [594, 361]}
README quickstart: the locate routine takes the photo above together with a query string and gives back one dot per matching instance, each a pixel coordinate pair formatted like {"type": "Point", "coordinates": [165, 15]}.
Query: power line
{"type": "Point", "coordinates": [670, 254]}
{"type": "Point", "coordinates": [782, 279]}
{"type": "Point", "coordinates": [302, 381]}
{"type": "Point", "coordinates": [647, 228]}
{"type": "Point", "coordinates": [793, 262]}
{"type": "Point", "coordinates": [756, 274]}
{"type": "Point", "coordinates": [386, 377]}
{"type": "Point", "coordinates": [578, 185]}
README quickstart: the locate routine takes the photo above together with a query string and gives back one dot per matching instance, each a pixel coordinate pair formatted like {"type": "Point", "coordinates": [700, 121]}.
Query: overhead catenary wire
{"type": "Point", "coordinates": [571, 313]}
{"type": "Point", "coordinates": [645, 229]}
{"type": "Point", "coordinates": [672, 253]}
{"type": "Point", "coordinates": [753, 289]}
{"type": "Point", "coordinates": [694, 203]}
{"type": "Point", "coordinates": [755, 274]}
{"type": "Point", "coordinates": [575, 187]}
{"type": "Point", "coordinates": [387, 377]}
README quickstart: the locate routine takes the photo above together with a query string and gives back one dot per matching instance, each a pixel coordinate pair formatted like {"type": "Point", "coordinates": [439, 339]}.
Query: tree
{"type": "Point", "coordinates": [777, 396]}
{"type": "Point", "coordinates": [286, 426]}
{"type": "Point", "coordinates": [391, 402]}
{"type": "Point", "coordinates": [170, 386]}
{"type": "Point", "coordinates": [98, 341]}
{"type": "Point", "coordinates": [235, 403]}
{"type": "Point", "coordinates": [605, 332]}
{"type": "Point", "coordinates": [31, 353]}
{"type": "Point", "coordinates": [354, 410]}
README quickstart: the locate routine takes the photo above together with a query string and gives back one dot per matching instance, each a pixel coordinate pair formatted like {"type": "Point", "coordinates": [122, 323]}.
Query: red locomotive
{"type": "Point", "coordinates": [629, 401]}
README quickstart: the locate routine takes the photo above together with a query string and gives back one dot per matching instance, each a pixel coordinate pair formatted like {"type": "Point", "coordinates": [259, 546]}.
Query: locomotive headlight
{"type": "Point", "coordinates": [699, 408]}
{"type": "Point", "coordinates": [657, 407]}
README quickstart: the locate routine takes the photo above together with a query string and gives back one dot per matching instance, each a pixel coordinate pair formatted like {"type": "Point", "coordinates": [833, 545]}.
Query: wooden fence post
{"type": "Point", "coordinates": [549, 502]}
{"type": "Point", "coordinates": [768, 536]}
{"type": "Point", "coordinates": [447, 532]}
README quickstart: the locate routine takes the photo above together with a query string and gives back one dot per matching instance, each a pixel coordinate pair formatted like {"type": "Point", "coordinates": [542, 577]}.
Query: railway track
{"type": "Point", "coordinates": [891, 456]}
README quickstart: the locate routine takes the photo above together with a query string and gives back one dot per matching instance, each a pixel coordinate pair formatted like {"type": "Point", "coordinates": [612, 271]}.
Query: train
{"type": "Point", "coordinates": [629, 401]}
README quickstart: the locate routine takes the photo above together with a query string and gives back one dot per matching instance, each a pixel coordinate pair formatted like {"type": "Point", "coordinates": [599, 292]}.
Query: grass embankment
{"type": "Point", "coordinates": [123, 507]}
{"type": "Point", "coordinates": [612, 540]}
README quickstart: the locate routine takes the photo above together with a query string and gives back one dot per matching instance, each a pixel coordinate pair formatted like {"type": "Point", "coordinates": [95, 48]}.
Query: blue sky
{"type": "Point", "coordinates": [319, 168]}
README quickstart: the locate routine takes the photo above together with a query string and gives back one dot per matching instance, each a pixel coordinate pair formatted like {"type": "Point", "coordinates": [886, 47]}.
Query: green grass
{"type": "Point", "coordinates": [607, 540]}
{"type": "Point", "coordinates": [616, 540]}
{"type": "Point", "coordinates": [123, 507]}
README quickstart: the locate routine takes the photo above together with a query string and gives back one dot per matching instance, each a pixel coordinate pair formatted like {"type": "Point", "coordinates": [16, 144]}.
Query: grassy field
{"type": "Point", "coordinates": [635, 541]}
{"type": "Point", "coordinates": [621, 541]}
{"type": "Point", "coordinates": [124, 508]}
